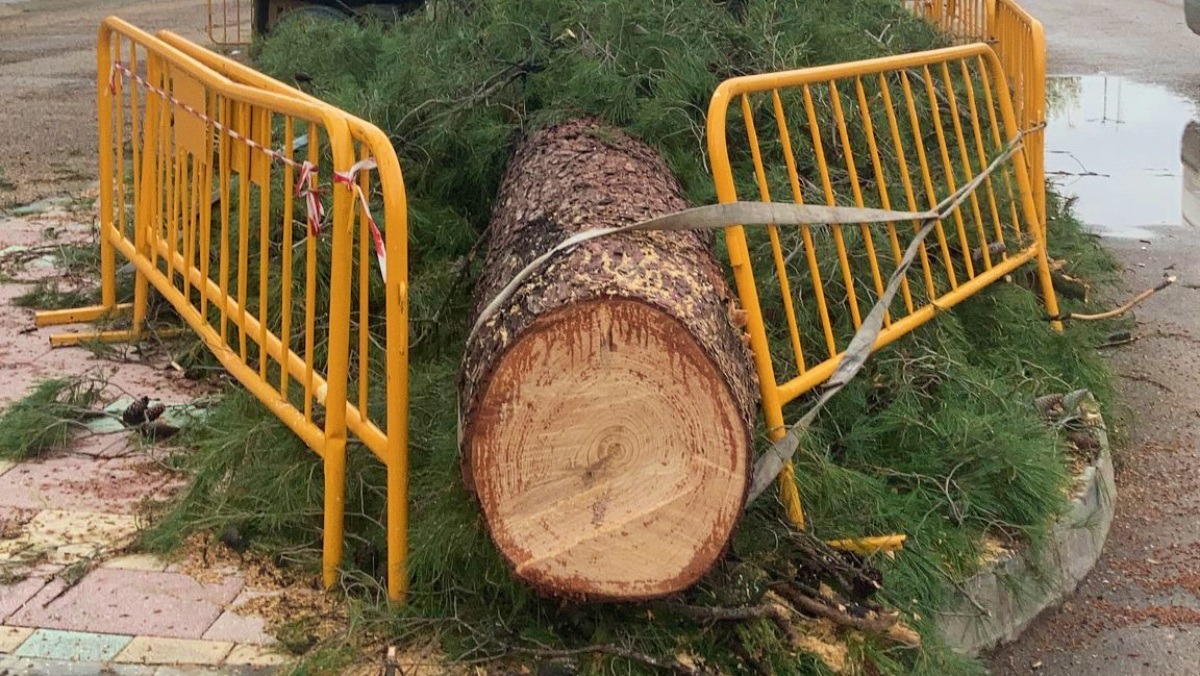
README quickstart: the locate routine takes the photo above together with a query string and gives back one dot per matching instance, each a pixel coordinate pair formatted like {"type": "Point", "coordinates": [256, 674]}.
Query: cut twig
{"type": "Point", "coordinates": [818, 555]}
{"type": "Point", "coordinates": [965, 594]}
{"type": "Point", "coordinates": [1111, 314]}
{"type": "Point", "coordinates": [993, 249]}
{"type": "Point", "coordinates": [1071, 287]}
{"type": "Point", "coordinates": [489, 88]}
{"type": "Point", "coordinates": [774, 609]}
{"type": "Point", "coordinates": [884, 625]}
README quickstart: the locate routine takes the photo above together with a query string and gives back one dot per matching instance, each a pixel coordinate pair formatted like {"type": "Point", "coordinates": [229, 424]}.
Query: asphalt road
{"type": "Point", "coordinates": [48, 87]}
{"type": "Point", "coordinates": [1139, 611]}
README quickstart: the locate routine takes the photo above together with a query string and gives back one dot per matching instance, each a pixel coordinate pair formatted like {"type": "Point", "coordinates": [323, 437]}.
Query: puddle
{"type": "Point", "coordinates": [1128, 152]}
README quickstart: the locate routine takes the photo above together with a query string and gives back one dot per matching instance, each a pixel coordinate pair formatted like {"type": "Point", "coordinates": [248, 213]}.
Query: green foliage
{"type": "Point", "coordinates": [47, 417]}
{"type": "Point", "coordinates": [454, 88]}
{"type": "Point", "coordinates": [937, 439]}
{"type": "Point", "coordinates": [48, 295]}
{"type": "Point", "coordinates": [72, 262]}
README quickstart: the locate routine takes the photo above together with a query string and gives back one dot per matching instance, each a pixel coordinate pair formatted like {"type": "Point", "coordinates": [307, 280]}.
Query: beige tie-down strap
{"type": "Point", "coordinates": [721, 216]}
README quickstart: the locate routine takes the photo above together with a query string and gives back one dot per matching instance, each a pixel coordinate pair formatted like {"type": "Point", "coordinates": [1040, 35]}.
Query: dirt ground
{"type": "Point", "coordinates": [1139, 611]}
{"type": "Point", "coordinates": [48, 87]}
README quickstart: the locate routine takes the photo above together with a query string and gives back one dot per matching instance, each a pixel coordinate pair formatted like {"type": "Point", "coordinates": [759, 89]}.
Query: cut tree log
{"type": "Point", "coordinates": [607, 408]}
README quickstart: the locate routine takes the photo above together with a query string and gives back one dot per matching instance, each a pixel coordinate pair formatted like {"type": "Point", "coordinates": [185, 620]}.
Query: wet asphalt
{"type": "Point", "coordinates": [1122, 143]}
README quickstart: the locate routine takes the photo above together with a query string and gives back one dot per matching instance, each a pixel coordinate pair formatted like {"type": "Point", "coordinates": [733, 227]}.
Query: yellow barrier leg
{"type": "Point", "coordinates": [95, 313]}
{"type": "Point", "coordinates": [790, 495]}
{"type": "Point", "coordinates": [873, 545]}
{"type": "Point", "coordinates": [73, 339]}
{"type": "Point", "coordinates": [81, 315]}
{"type": "Point", "coordinates": [1047, 281]}
{"type": "Point", "coordinates": [86, 315]}
{"type": "Point", "coordinates": [335, 507]}
{"type": "Point", "coordinates": [397, 530]}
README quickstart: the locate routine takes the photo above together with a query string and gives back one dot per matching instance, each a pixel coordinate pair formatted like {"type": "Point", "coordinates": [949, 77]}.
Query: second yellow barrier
{"type": "Point", "coordinates": [1020, 42]}
{"type": "Point", "coordinates": [902, 132]}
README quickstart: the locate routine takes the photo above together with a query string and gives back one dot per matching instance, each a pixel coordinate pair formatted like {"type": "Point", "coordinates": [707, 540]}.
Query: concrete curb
{"type": "Point", "coordinates": [1017, 589]}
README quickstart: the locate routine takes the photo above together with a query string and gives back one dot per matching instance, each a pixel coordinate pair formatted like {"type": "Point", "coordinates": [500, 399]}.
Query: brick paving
{"type": "Point", "coordinates": [131, 613]}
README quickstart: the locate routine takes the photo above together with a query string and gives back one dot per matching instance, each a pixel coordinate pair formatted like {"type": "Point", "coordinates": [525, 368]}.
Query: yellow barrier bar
{"type": "Point", "coordinates": [852, 174]}
{"type": "Point", "coordinates": [963, 20]}
{"type": "Point", "coordinates": [882, 183]}
{"type": "Point", "coordinates": [905, 178]}
{"type": "Point", "coordinates": [108, 259]}
{"type": "Point", "coordinates": [839, 241]}
{"type": "Point", "coordinates": [947, 113]}
{"type": "Point", "coordinates": [869, 546]}
{"type": "Point", "coordinates": [392, 447]}
{"type": "Point", "coordinates": [185, 103]}
{"type": "Point", "coordinates": [1019, 40]}
{"type": "Point", "coordinates": [81, 315]}
{"type": "Point", "coordinates": [780, 267]}
{"type": "Point", "coordinates": [818, 374]}
{"type": "Point", "coordinates": [926, 175]}
{"type": "Point", "coordinates": [228, 28]}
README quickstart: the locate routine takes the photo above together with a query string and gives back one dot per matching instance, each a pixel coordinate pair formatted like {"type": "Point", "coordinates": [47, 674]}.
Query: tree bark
{"type": "Point", "coordinates": [608, 407]}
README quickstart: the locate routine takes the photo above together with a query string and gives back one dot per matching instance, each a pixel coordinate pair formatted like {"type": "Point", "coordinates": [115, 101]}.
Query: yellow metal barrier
{"type": "Point", "coordinates": [963, 20]}
{"type": "Point", "coordinates": [204, 175]}
{"type": "Point", "coordinates": [900, 132]}
{"type": "Point", "coordinates": [228, 23]}
{"type": "Point", "coordinates": [391, 447]}
{"type": "Point", "coordinates": [1020, 42]}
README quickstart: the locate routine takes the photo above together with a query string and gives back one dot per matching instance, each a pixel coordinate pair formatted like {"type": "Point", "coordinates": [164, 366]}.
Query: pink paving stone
{"type": "Point", "coordinates": [26, 358]}
{"type": "Point", "coordinates": [82, 483]}
{"type": "Point", "coordinates": [239, 629]}
{"type": "Point", "coordinates": [102, 445]}
{"type": "Point", "coordinates": [12, 519]}
{"type": "Point", "coordinates": [13, 596]}
{"type": "Point", "coordinates": [20, 357]}
{"type": "Point", "coordinates": [140, 603]}
{"type": "Point", "coordinates": [31, 231]}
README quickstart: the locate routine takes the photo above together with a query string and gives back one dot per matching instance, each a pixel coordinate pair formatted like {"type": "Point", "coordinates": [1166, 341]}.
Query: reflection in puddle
{"type": "Point", "coordinates": [1115, 145]}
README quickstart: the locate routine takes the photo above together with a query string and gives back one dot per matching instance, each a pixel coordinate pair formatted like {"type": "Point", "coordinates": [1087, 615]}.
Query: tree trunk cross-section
{"type": "Point", "coordinates": [608, 407]}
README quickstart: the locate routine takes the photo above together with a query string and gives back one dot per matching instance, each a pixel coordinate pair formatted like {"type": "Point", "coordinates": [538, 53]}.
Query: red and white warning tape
{"type": "Point", "coordinates": [306, 181]}
{"type": "Point", "coordinates": [350, 179]}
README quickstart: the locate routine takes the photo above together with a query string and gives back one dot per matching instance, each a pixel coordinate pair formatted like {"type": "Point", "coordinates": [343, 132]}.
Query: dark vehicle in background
{"type": "Point", "coordinates": [267, 13]}
{"type": "Point", "coordinates": [1190, 145]}
{"type": "Point", "coordinates": [1190, 160]}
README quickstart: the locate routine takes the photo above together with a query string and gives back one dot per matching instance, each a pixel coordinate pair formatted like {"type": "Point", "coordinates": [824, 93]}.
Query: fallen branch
{"type": "Point", "coordinates": [1111, 314]}
{"type": "Point", "coordinates": [884, 625]}
{"type": "Point", "coordinates": [774, 609]}
{"type": "Point", "coordinates": [965, 594]}
{"type": "Point", "coordinates": [846, 570]}
{"type": "Point", "coordinates": [993, 249]}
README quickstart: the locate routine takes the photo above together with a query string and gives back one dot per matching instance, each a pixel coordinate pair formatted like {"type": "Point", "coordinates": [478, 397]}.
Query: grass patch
{"type": "Point", "coordinates": [49, 295]}
{"type": "Point", "coordinates": [73, 263]}
{"type": "Point", "coordinates": [47, 418]}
